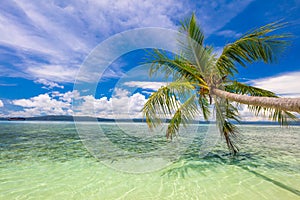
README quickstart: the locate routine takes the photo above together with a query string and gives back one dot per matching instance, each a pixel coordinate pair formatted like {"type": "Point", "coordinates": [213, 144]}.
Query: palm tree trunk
{"type": "Point", "coordinates": [287, 104]}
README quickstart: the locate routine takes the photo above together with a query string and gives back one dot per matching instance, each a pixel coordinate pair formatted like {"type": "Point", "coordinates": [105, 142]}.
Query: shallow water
{"type": "Point", "coordinates": [50, 161]}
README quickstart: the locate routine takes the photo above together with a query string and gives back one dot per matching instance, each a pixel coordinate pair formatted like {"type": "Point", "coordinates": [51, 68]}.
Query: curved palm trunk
{"type": "Point", "coordinates": [287, 104]}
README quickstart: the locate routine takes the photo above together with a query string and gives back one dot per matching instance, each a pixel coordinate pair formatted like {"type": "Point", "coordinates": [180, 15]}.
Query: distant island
{"type": "Point", "coordinates": [57, 118]}
{"type": "Point", "coordinates": [69, 118]}
{"type": "Point", "coordinates": [16, 119]}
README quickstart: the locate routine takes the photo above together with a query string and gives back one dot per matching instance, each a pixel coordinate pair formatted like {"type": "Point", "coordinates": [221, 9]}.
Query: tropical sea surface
{"type": "Point", "coordinates": [64, 160]}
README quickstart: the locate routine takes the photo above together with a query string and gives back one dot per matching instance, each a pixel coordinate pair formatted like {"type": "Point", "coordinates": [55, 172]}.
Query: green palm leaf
{"type": "Point", "coordinates": [204, 106]}
{"type": "Point", "coordinates": [226, 114]}
{"type": "Point", "coordinates": [190, 27]}
{"type": "Point", "coordinates": [254, 46]}
{"type": "Point", "coordinates": [164, 102]}
{"type": "Point", "coordinates": [183, 115]}
{"type": "Point", "coordinates": [177, 67]}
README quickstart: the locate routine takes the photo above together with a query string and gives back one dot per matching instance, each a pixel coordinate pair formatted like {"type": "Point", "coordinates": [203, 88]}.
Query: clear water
{"type": "Point", "coordinates": [49, 161]}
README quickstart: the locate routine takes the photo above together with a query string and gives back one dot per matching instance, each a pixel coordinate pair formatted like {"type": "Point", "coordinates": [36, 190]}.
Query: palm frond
{"type": "Point", "coordinates": [165, 101]}
{"type": "Point", "coordinates": [204, 105]}
{"type": "Point", "coordinates": [241, 88]}
{"type": "Point", "coordinates": [198, 56]}
{"type": "Point", "coordinates": [281, 116]}
{"type": "Point", "coordinates": [192, 46]}
{"type": "Point", "coordinates": [176, 67]}
{"type": "Point", "coordinates": [191, 28]}
{"type": "Point", "coordinates": [257, 45]}
{"type": "Point", "coordinates": [183, 115]}
{"type": "Point", "coordinates": [226, 114]}
{"type": "Point", "coordinates": [277, 115]}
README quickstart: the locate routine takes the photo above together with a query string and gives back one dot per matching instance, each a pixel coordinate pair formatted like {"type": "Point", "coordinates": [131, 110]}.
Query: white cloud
{"type": "Point", "coordinates": [69, 96]}
{"type": "Point", "coordinates": [145, 84]}
{"type": "Point", "coordinates": [62, 33]}
{"type": "Point", "coordinates": [42, 100]}
{"type": "Point", "coordinates": [286, 85]}
{"type": "Point", "coordinates": [38, 27]}
{"type": "Point", "coordinates": [42, 104]}
{"type": "Point", "coordinates": [1, 104]}
{"type": "Point", "coordinates": [48, 84]}
{"type": "Point", "coordinates": [121, 105]}
{"type": "Point", "coordinates": [57, 73]}
{"type": "Point", "coordinates": [119, 93]}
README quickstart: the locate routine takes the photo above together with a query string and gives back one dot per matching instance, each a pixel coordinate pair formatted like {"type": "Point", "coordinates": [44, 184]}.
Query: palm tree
{"type": "Point", "coordinates": [201, 81]}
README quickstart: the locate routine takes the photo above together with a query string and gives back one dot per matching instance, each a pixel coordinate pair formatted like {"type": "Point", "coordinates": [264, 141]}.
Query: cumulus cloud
{"type": "Point", "coordinates": [1, 104]}
{"type": "Point", "coordinates": [42, 104]}
{"type": "Point", "coordinates": [69, 96]}
{"type": "Point", "coordinates": [286, 85]}
{"type": "Point", "coordinates": [121, 105]}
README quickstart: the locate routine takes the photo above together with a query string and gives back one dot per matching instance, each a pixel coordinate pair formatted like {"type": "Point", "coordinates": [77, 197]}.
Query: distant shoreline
{"type": "Point", "coordinates": [67, 118]}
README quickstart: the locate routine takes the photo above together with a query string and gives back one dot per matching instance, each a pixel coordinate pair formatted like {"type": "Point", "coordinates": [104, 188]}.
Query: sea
{"type": "Point", "coordinates": [89, 160]}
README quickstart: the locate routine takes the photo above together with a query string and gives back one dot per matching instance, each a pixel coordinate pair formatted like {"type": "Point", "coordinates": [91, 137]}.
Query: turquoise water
{"type": "Point", "coordinates": [49, 160]}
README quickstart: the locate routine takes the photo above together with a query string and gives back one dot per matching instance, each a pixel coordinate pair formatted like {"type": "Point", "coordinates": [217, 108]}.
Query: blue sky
{"type": "Point", "coordinates": [43, 45]}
